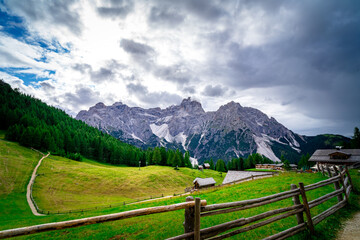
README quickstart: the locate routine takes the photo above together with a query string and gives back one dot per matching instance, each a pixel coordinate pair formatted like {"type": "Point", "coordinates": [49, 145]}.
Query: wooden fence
{"type": "Point", "coordinates": [195, 210]}
{"type": "Point", "coordinates": [194, 214]}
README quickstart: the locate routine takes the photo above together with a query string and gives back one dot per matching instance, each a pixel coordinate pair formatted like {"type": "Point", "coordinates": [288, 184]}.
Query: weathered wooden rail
{"type": "Point", "coordinates": [195, 210]}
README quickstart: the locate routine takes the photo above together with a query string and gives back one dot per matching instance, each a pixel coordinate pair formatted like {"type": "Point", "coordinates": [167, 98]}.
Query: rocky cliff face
{"type": "Point", "coordinates": [231, 131]}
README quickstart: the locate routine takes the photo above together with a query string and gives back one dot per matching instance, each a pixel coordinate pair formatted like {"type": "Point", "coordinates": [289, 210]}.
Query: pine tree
{"type": "Point", "coordinates": [187, 160]}
{"type": "Point", "coordinates": [212, 165]}
{"type": "Point", "coordinates": [220, 166]}
{"type": "Point", "coordinates": [156, 158]}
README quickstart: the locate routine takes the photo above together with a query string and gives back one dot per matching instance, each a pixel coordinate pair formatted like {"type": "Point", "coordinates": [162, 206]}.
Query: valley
{"type": "Point", "coordinates": [56, 188]}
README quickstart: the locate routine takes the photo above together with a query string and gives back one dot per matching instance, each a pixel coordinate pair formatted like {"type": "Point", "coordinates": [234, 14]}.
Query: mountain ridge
{"type": "Point", "coordinates": [231, 131]}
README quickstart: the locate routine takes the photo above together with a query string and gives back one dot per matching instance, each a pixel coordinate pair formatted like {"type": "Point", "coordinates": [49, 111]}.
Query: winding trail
{"type": "Point", "coordinates": [29, 189]}
{"type": "Point", "coordinates": [351, 230]}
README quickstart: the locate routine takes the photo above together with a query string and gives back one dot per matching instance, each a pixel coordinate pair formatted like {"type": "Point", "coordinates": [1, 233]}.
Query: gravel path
{"type": "Point", "coordinates": [351, 229]}
{"type": "Point", "coordinates": [29, 188]}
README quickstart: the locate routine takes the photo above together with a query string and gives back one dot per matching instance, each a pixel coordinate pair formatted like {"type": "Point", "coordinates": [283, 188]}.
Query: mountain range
{"type": "Point", "coordinates": [230, 132]}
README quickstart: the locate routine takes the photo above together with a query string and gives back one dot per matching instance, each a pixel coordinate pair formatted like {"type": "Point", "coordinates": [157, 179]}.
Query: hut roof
{"type": "Point", "coordinates": [335, 156]}
{"type": "Point", "coordinates": [206, 165]}
{"type": "Point", "coordinates": [204, 181]}
{"type": "Point", "coordinates": [235, 176]}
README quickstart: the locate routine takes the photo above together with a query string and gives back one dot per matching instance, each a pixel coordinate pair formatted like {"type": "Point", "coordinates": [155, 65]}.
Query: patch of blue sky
{"type": "Point", "coordinates": [13, 26]}
{"type": "Point", "coordinates": [28, 78]}
{"type": "Point", "coordinates": [16, 28]}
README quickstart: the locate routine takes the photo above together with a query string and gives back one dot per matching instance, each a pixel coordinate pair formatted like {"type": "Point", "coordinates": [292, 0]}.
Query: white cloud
{"type": "Point", "coordinates": [267, 56]}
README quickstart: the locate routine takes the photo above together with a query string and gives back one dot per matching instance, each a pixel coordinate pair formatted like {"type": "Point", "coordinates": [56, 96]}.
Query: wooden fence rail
{"type": "Point", "coordinates": [195, 210]}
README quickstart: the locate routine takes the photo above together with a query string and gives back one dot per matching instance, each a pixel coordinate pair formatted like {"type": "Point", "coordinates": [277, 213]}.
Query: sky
{"type": "Point", "coordinates": [297, 61]}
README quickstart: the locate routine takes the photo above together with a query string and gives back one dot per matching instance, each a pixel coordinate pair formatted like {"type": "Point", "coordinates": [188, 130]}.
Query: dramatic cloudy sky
{"type": "Point", "coordinates": [297, 61]}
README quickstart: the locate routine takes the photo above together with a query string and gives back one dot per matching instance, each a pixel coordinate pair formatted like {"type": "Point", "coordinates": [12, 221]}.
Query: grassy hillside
{"type": "Point", "coordinates": [65, 184]}
{"type": "Point", "coordinates": [14, 211]}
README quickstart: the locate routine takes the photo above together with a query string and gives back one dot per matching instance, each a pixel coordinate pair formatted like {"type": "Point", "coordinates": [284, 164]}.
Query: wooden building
{"type": "Point", "coordinates": [206, 165]}
{"type": "Point", "coordinates": [279, 166]}
{"type": "Point", "coordinates": [336, 156]}
{"type": "Point", "coordinates": [203, 182]}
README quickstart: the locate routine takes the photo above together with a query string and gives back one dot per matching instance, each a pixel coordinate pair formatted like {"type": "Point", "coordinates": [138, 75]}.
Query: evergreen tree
{"type": "Point", "coordinates": [187, 160]}
{"type": "Point", "coordinates": [156, 159]}
{"type": "Point", "coordinates": [355, 141]}
{"type": "Point", "coordinates": [241, 164]}
{"type": "Point", "coordinates": [220, 166]}
{"type": "Point", "coordinates": [163, 156]}
{"type": "Point", "coordinates": [212, 165]}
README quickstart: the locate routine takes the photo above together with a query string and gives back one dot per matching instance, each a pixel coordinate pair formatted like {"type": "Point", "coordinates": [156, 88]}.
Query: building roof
{"type": "Point", "coordinates": [202, 182]}
{"type": "Point", "coordinates": [235, 176]}
{"type": "Point", "coordinates": [335, 156]}
{"type": "Point", "coordinates": [206, 165]}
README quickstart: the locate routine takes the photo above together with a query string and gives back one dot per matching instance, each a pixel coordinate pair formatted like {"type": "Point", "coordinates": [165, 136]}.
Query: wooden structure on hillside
{"type": "Point", "coordinates": [336, 156]}
{"type": "Point", "coordinates": [278, 166]}
{"type": "Point", "coordinates": [206, 165]}
{"type": "Point", "coordinates": [203, 182]}
{"type": "Point", "coordinates": [239, 176]}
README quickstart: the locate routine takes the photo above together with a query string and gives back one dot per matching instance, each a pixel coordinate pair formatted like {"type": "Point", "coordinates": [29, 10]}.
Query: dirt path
{"type": "Point", "coordinates": [29, 188]}
{"type": "Point", "coordinates": [351, 229]}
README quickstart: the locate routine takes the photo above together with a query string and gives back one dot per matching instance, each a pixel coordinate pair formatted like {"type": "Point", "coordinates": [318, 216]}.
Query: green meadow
{"type": "Point", "coordinates": [64, 184]}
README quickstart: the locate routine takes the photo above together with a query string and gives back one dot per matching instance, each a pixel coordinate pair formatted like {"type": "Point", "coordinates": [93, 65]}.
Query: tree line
{"type": "Point", "coordinates": [32, 123]}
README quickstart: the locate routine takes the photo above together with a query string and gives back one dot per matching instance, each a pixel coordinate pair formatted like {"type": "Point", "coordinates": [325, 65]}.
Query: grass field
{"type": "Point", "coordinates": [65, 184]}
{"type": "Point", "coordinates": [14, 211]}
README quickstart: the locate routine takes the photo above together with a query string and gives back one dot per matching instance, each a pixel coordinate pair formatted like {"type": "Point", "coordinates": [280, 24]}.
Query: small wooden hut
{"type": "Point", "coordinates": [203, 182]}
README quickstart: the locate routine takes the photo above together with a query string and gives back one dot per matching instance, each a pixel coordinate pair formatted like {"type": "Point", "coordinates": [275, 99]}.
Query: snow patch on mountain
{"type": "Point", "coordinates": [136, 137]}
{"type": "Point", "coordinates": [162, 131]}
{"type": "Point", "coordinates": [181, 138]}
{"type": "Point", "coordinates": [263, 147]}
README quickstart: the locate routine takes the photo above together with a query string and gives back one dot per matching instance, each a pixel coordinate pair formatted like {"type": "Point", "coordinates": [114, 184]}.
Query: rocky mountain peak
{"type": "Point", "coordinates": [191, 106]}
{"type": "Point", "coordinates": [117, 104]}
{"type": "Point", "coordinates": [230, 106]}
{"type": "Point", "coordinates": [99, 105]}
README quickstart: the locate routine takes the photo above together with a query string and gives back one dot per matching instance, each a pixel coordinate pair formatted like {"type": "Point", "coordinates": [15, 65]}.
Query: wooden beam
{"type": "Point", "coordinates": [328, 212]}
{"type": "Point", "coordinates": [296, 201]}
{"type": "Point", "coordinates": [94, 220]}
{"type": "Point", "coordinates": [229, 210]}
{"type": "Point", "coordinates": [307, 209]}
{"type": "Point", "coordinates": [322, 183]}
{"type": "Point", "coordinates": [246, 202]}
{"type": "Point", "coordinates": [324, 198]}
{"type": "Point", "coordinates": [197, 219]}
{"type": "Point", "coordinates": [287, 233]}
{"type": "Point", "coordinates": [257, 225]}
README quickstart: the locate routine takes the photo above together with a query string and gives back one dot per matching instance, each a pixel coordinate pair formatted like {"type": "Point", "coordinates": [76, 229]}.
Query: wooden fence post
{"type": "Point", "coordinates": [189, 217]}
{"type": "Point", "coordinates": [329, 172]}
{"type": "Point", "coordinates": [307, 209]}
{"type": "Point", "coordinates": [337, 187]}
{"type": "Point", "coordinates": [336, 170]}
{"type": "Point", "coordinates": [322, 170]}
{"type": "Point", "coordinates": [344, 187]}
{"type": "Point", "coordinates": [296, 200]}
{"type": "Point", "coordinates": [197, 219]}
{"type": "Point", "coordinates": [348, 174]}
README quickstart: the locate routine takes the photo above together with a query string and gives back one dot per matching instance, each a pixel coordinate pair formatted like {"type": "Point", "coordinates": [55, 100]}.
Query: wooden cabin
{"type": "Point", "coordinates": [203, 182]}
{"type": "Point", "coordinates": [206, 165]}
{"type": "Point", "coordinates": [336, 156]}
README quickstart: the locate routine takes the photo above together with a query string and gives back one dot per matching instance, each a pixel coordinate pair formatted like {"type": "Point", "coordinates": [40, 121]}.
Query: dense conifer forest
{"type": "Point", "coordinates": [33, 123]}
